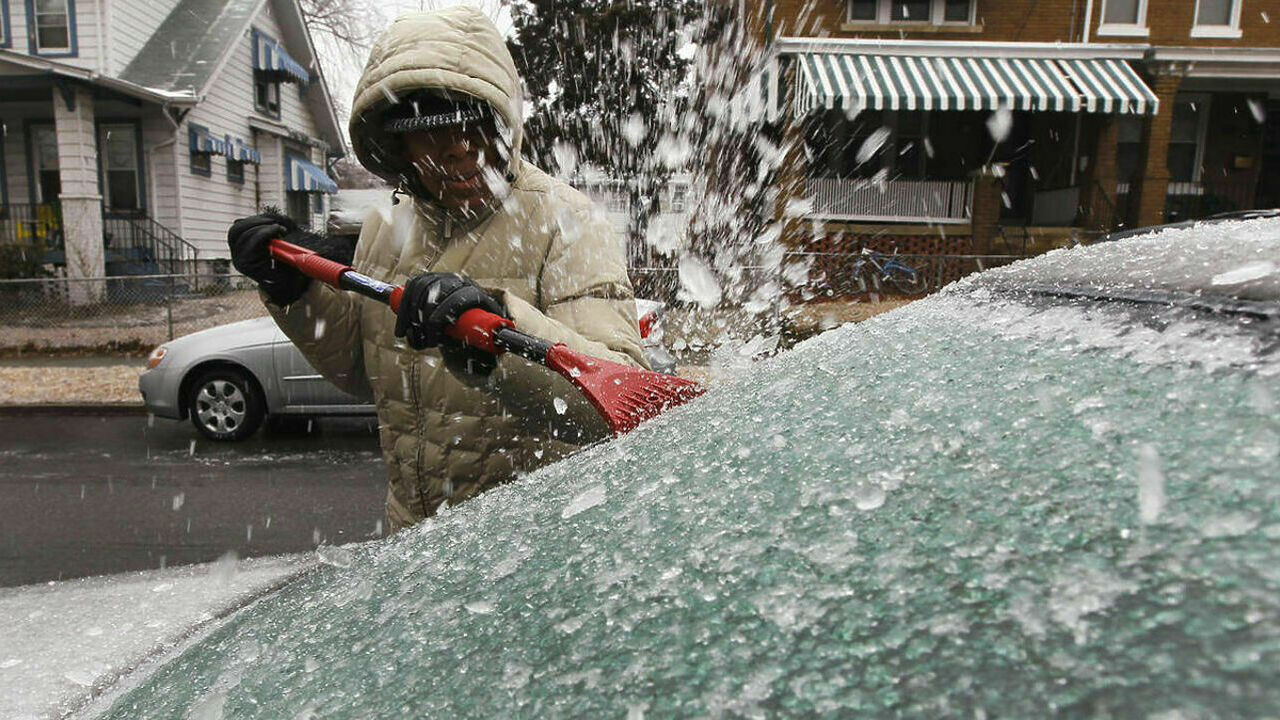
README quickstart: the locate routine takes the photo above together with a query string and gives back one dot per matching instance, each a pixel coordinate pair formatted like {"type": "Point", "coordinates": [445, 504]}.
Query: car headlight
{"type": "Point", "coordinates": [156, 356]}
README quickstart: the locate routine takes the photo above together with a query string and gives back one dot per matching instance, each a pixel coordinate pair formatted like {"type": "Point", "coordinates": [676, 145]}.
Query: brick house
{"type": "Point", "coordinates": [135, 131]}
{"type": "Point", "coordinates": [994, 126]}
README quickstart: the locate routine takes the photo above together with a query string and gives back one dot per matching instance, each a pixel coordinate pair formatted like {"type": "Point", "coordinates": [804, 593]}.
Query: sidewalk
{"type": "Point", "coordinates": [68, 382]}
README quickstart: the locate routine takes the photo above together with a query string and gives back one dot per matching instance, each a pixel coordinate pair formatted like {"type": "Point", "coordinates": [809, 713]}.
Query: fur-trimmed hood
{"type": "Point", "coordinates": [457, 50]}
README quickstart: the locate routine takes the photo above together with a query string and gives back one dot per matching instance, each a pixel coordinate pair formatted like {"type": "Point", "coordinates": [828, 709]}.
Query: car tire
{"type": "Point", "coordinates": [225, 405]}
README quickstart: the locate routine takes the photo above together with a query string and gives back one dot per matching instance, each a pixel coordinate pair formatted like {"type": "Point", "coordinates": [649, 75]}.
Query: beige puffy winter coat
{"type": "Point", "coordinates": [544, 252]}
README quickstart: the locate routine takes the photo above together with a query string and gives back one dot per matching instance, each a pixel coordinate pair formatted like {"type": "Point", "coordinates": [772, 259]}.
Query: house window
{"type": "Point", "coordinates": [266, 94]}
{"type": "Point", "coordinates": [1124, 17]}
{"type": "Point", "coordinates": [863, 10]}
{"type": "Point", "coordinates": [1186, 138]}
{"type": "Point", "coordinates": [121, 179]}
{"type": "Point", "coordinates": [935, 12]}
{"type": "Point", "coordinates": [317, 203]}
{"type": "Point", "coordinates": [53, 25]}
{"type": "Point", "coordinates": [6, 37]}
{"type": "Point", "coordinates": [1217, 18]}
{"type": "Point", "coordinates": [44, 154]}
{"type": "Point", "coordinates": [235, 171]}
{"type": "Point", "coordinates": [202, 163]}
{"type": "Point", "coordinates": [909, 11]}
{"type": "Point", "coordinates": [299, 207]}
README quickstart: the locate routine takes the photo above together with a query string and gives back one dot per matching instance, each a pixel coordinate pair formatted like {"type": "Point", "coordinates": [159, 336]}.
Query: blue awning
{"type": "Point", "coordinates": [270, 57]}
{"type": "Point", "coordinates": [302, 176]}
{"type": "Point", "coordinates": [201, 140]}
{"type": "Point", "coordinates": [244, 153]}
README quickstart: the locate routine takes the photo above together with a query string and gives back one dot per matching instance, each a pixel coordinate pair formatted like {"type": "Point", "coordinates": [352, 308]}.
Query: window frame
{"type": "Point", "coordinates": [233, 165]}
{"type": "Point", "coordinates": [937, 15]}
{"type": "Point", "coordinates": [72, 48]}
{"type": "Point", "coordinates": [6, 26]}
{"type": "Point", "coordinates": [1230, 30]}
{"type": "Point", "coordinates": [34, 188]}
{"type": "Point", "coordinates": [205, 168]}
{"type": "Point", "coordinates": [140, 183]}
{"type": "Point", "coordinates": [1134, 29]}
{"type": "Point", "coordinates": [272, 85]}
{"type": "Point", "coordinates": [292, 198]}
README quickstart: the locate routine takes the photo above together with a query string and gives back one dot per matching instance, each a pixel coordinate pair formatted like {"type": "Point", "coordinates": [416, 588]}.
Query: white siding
{"type": "Point", "coordinates": [18, 26]}
{"type": "Point", "coordinates": [130, 23]}
{"type": "Point", "coordinates": [211, 204]}
{"type": "Point", "coordinates": [159, 157]}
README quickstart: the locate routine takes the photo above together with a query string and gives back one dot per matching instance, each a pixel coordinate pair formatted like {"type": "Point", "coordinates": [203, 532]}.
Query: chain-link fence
{"type": "Point", "coordinates": [126, 313]}
{"type": "Point", "coordinates": [137, 312]}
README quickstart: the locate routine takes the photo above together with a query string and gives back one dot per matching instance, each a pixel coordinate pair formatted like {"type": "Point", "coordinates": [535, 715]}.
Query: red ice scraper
{"type": "Point", "coordinates": [624, 395]}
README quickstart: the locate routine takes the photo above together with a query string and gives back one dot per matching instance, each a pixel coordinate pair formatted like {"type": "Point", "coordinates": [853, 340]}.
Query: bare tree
{"type": "Point", "coordinates": [347, 22]}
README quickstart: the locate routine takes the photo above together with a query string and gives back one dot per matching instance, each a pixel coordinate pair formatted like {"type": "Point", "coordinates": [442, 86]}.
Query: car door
{"type": "Point", "coordinates": [304, 389]}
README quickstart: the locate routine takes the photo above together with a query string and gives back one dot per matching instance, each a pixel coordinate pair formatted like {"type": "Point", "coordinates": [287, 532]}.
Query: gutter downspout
{"type": "Point", "coordinates": [1088, 21]}
{"type": "Point", "coordinates": [177, 171]}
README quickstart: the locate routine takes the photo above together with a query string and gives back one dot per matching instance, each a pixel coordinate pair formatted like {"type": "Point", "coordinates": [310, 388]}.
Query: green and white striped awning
{"type": "Point", "coordinates": [901, 82]}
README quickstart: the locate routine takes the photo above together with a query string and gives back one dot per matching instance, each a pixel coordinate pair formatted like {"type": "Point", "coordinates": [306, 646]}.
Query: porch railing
{"type": "Point", "coordinates": [140, 244]}
{"type": "Point", "coordinates": [931, 201]}
{"type": "Point", "coordinates": [1194, 200]}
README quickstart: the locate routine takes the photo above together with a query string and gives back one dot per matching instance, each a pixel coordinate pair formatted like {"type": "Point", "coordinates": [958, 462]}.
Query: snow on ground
{"type": "Point", "coordinates": [63, 642]}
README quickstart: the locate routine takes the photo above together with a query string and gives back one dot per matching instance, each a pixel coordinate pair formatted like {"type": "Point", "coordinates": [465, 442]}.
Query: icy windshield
{"type": "Point", "coordinates": [939, 511]}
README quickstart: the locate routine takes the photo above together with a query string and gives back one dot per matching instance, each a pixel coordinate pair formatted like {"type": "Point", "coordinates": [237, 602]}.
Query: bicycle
{"type": "Point", "coordinates": [889, 269]}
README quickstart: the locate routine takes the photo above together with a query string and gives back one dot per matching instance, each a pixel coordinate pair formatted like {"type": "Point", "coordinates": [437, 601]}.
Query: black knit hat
{"type": "Point", "coordinates": [428, 110]}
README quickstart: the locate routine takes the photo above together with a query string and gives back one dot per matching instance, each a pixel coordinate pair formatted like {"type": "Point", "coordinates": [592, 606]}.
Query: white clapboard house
{"type": "Point", "coordinates": [135, 131]}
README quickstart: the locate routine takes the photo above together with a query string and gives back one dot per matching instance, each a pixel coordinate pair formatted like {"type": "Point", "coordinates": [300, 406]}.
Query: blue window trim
{"type": "Point", "coordinates": [5, 25]}
{"type": "Point", "coordinates": [232, 178]}
{"type": "Point", "coordinates": [33, 182]}
{"type": "Point", "coordinates": [137, 149]}
{"type": "Point", "coordinates": [192, 130]}
{"type": "Point", "coordinates": [71, 32]}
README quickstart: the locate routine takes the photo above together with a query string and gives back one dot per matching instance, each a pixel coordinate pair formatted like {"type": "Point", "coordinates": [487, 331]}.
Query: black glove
{"type": "Point", "coordinates": [431, 303]}
{"type": "Point", "coordinates": [248, 238]}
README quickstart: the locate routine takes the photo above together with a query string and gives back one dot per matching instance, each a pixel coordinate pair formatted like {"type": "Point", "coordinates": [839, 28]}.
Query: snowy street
{"type": "Point", "coordinates": [88, 495]}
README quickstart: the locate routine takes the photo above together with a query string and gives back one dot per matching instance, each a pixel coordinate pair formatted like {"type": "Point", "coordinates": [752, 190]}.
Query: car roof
{"type": "Point", "coordinates": [1223, 260]}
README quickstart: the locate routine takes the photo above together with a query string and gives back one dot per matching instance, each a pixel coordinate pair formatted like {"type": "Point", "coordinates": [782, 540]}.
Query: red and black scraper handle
{"type": "Point", "coordinates": [625, 396]}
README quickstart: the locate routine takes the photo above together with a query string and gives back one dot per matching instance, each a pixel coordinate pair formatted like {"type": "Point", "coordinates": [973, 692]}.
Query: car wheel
{"type": "Point", "coordinates": [225, 405]}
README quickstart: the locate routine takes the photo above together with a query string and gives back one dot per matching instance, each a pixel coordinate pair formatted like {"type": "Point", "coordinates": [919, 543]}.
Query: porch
{"type": "Point", "coordinates": [1014, 144]}
{"type": "Point", "coordinates": [33, 242]}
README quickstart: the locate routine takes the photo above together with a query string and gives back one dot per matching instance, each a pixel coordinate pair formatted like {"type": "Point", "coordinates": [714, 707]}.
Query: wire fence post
{"type": "Point", "coordinates": [168, 309]}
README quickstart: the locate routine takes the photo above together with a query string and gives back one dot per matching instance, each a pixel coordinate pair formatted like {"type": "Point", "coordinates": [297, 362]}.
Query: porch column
{"type": "Point", "coordinates": [270, 172]}
{"type": "Point", "coordinates": [1152, 187]}
{"type": "Point", "coordinates": [985, 218]}
{"type": "Point", "coordinates": [80, 198]}
{"type": "Point", "coordinates": [1102, 176]}
{"type": "Point", "coordinates": [792, 173]}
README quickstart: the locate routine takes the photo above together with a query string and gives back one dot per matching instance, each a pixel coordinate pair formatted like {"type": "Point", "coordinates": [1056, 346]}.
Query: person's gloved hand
{"type": "Point", "coordinates": [248, 238]}
{"type": "Point", "coordinates": [430, 304]}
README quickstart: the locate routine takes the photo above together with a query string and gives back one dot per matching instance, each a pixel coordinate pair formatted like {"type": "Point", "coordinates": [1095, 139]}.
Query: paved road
{"type": "Point", "coordinates": [92, 494]}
